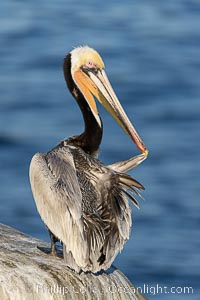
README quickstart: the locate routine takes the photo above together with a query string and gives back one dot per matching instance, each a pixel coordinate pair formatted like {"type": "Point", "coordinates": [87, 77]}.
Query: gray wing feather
{"type": "Point", "coordinates": [56, 189]}
{"type": "Point", "coordinates": [129, 164]}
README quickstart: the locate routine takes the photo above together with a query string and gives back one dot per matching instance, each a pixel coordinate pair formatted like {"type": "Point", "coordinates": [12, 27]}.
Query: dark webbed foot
{"type": "Point", "coordinates": [53, 250]}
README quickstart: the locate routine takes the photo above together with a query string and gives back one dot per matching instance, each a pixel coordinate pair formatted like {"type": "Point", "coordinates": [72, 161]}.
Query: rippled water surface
{"type": "Point", "coordinates": [152, 54]}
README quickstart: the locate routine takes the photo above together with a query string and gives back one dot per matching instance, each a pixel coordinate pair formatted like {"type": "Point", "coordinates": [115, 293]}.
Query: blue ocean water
{"type": "Point", "coordinates": [152, 54]}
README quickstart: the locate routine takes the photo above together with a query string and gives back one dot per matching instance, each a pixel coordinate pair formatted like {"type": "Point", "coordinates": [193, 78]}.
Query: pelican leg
{"type": "Point", "coordinates": [53, 250]}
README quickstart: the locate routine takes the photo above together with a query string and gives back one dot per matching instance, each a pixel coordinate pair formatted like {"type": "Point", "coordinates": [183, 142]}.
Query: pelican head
{"type": "Point", "coordinates": [88, 74]}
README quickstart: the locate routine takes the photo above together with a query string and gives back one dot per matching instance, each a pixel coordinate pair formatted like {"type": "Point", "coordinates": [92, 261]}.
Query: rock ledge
{"type": "Point", "coordinates": [28, 273]}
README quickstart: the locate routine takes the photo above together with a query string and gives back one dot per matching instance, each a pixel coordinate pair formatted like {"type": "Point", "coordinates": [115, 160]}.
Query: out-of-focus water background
{"type": "Point", "coordinates": [152, 54]}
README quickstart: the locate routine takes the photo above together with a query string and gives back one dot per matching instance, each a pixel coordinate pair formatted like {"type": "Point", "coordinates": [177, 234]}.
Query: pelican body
{"type": "Point", "coordinates": [84, 203]}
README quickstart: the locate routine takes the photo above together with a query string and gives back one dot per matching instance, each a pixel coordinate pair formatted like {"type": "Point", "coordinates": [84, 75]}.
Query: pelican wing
{"type": "Point", "coordinates": [129, 164]}
{"type": "Point", "coordinates": [58, 198]}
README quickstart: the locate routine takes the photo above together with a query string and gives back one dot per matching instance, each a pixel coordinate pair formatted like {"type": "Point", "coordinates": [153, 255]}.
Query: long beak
{"type": "Point", "coordinates": [100, 87]}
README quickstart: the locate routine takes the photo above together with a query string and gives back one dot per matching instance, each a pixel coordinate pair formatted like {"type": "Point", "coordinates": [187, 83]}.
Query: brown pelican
{"type": "Point", "coordinates": [84, 203]}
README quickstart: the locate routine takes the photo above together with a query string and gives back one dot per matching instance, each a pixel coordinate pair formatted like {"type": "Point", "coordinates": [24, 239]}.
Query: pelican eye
{"type": "Point", "coordinates": [90, 67]}
{"type": "Point", "coordinates": [90, 64]}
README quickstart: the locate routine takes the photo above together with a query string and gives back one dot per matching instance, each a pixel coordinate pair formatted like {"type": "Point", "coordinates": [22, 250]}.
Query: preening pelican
{"type": "Point", "coordinates": [84, 203]}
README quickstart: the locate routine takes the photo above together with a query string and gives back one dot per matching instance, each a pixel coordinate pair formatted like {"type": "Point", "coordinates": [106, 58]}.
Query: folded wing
{"type": "Point", "coordinates": [55, 187]}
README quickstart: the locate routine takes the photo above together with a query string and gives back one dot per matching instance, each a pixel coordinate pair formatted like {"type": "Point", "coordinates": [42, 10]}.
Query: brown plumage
{"type": "Point", "coordinates": [83, 202]}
